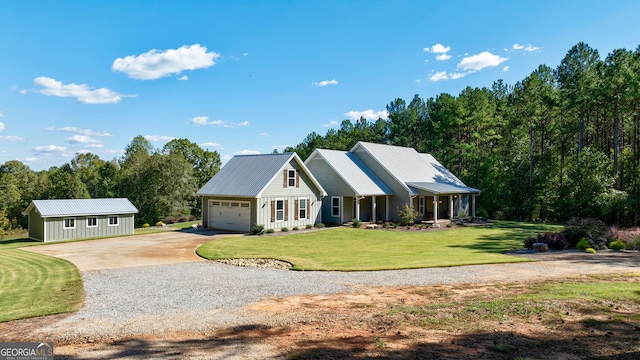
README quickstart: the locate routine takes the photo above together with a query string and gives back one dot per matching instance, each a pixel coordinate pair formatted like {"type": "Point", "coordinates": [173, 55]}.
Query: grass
{"type": "Point", "coordinates": [349, 249]}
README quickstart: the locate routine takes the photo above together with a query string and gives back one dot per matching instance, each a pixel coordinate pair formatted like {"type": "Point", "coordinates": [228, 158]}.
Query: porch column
{"type": "Point", "coordinates": [373, 209]}
{"type": "Point", "coordinates": [386, 208]}
{"type": "Point", "coordinates": [473, 205]}
{"type": "Point", "coordinates": [358, 207]}
{"type": "Point", "coordinates": [435, 209]}
{"type": "Point", "coordinates": [460, 203]}
{"type": "Point", "coordinates": [450, 207]}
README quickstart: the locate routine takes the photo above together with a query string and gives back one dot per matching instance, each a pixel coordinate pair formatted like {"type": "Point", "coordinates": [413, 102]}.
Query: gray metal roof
{"type": "Point", "coordinates": [407, 165]}
{"type": "Point", "coordinates": [442, 188]}
{"type": "Point", "coordinates": [248, 175]}
{"type": "Point", "coordinates": [82, 207]}
{"type": "Point", "coordinates": [357, 175]}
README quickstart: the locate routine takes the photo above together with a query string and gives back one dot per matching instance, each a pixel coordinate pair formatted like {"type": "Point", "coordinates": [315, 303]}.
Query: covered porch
{"type": "Point", "coordinates": [434, 201]}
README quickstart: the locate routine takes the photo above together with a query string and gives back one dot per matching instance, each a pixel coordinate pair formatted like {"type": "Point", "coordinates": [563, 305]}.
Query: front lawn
{"type": "Point", "coordinates": [348, 249]}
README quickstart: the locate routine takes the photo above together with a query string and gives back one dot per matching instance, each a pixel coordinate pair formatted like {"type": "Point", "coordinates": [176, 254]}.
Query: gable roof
{"type": "Point", "coordinates": [249, 175]}
{"type": "Point", "coordinates": [355, 174]}
{"type": "Point", "coordinates": [408, 166]}
{"type": "Point", "coordinates": [81, 207]}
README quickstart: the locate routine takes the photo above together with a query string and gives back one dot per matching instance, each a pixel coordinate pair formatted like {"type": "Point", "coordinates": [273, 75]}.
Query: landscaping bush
{"type": "Point", "coordinates": [590, 250]}
{"type": "Point", "coordinates": [145, 225]}
{"type": "Point", "coordinates": [257, 229]}
{"type": "Point", "coordinates": [183, 219]}
{"type": "Point", "coordinates": [618, 245]}
{"type": "Point", "coordinates": [583, 244]}
{"type": "Point", "coordinates": [192, 218]}
{"type": "Point", "coordinates": [295, 228]}
{"type": "Point", "coordinates": [407, 215]}
{"type": "Point", "coordinates": [634, 244]}
{"type": "Point", "coordinates": [285, 229]}
{"type": "Point", "coordinates": [309, 226]}
{"type": "Point", "coordinates": [159, 223]}
{"type": "Point", "coordinates": [270, 231]}
{"type": "Point", "coordinates": [631, 237]}
{"type": "Point", "coordinates": [319, 225]}
{"type": "Point", "coordinates": [594, 230]}
{"type": "Point", "coordinates": [555, 241]}
{"type": "Point", "coordinates": [356, 223]}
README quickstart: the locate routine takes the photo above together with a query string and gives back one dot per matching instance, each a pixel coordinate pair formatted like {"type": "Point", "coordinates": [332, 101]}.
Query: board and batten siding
{"type": "Point", "coordinates": [36, 226]}
{"type": "Point", "coordinates": [332, 183]}
{"type": "Point", "coordinates": [54, 227]}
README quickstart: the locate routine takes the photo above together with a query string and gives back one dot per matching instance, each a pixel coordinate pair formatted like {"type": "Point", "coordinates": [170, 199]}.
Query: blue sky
{"type": "Point", "coordinates": [246, 77]}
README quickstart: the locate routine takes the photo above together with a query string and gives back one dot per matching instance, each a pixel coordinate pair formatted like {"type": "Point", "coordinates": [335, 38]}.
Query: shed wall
{"type": "Point", "coordinates": [54, 228]}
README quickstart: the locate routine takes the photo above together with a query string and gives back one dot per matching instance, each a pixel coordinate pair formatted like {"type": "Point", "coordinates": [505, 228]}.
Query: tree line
{"type": "Point", "coordinates": [161, 183]}
{"type": "Point", "coordinates": [560, 143]}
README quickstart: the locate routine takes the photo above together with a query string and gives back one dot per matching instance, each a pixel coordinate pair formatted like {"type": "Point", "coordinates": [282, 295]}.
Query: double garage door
{"type": "Point", "coordinates": [230, 215]}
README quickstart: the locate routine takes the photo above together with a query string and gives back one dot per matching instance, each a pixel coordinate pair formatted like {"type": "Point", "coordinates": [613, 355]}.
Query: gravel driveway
{"type": "Point", "coordinates": [203, 296]}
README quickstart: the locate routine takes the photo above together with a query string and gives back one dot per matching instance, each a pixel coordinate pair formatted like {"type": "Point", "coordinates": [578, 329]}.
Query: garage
{"type": "Point", "coordinates": [230, 215]}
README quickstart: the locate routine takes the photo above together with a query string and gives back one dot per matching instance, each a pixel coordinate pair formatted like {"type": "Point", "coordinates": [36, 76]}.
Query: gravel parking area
{"type": "Point", "coordinates": [204, 296]}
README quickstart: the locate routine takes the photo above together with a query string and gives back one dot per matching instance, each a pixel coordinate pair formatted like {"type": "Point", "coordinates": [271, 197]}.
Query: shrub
{"type": "Point", "coordinates": [159, 223]}
{"type": "Point", "coordinates": [270, 231]}
{"type": "Point", "coordinates": [319, 225]}
{"type": "Point", "coordinates": [618, 245]}
{"type": "Point", "coordinates": [171, 220]}
{"type": "Point", "coordinates": [407, 215]}
{"type": "Point", "coordinates": [555, 241]}
{"type": "Point", "coordinates": [590, 250]}
{"type": "Point", "coordinates": [629, 236]}
{"type": "Point", "coordinates": [356, 223]}
{"type": "Point", "coordinates": [498, 215]}
{"type": "Point", "coordinates": [594, 230]}
{"type": "Point", "coordinates": [482, 213]}
{"type": "Point", "coordinates": [583, 244]}
{"type": "Point", "coordinates": [192, 218]}
{"type": "Point", "coordinates": [284, 229]}
{"type": "Point", "coordinates": [257, 229]}
{"type": "Point", "coordinates": [295, 228]}
{"type": "Point", "coordinates": [309, 226]}
{"type": "Point", "coordinates": [634, 244]}
{"type": "Point", "coordinates": [145, 225]}
{"type": "Point", "coordinates": [183, 219]}
{"type": "Point", "coordinates": [450, 225]}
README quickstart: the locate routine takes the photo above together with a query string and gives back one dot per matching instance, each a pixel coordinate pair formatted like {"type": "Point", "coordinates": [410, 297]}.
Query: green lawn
{"type": "Point", "coordinates": [34, 285]}
{"type": "Point", "coordinates": [348, 249]}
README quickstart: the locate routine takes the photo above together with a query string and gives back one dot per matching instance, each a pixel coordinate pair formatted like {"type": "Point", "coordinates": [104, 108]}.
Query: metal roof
{"type": "Point", "coordinates": [357, 175]}
{"type": "Point", "coordinates": [407, 165]}
{"type": "Point", "coordinates": [248, 175]}
{"type": "Point", "coordinates": [81, 207]}
{"type": "Point", "coordinates": [442, 188]}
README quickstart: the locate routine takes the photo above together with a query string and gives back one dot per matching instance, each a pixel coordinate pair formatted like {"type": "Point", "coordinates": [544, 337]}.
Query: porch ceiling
{"type": "Point", "coordinates": [441, 188]}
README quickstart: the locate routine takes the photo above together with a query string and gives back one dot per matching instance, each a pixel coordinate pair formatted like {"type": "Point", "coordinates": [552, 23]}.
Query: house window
{"type": "Point", "coordinates": [113, 221]}
{"type": "Point", "coordinates": [291, 178]}
{"type": "Point", "coordinates": [421, 205]}
{"type": "Point", "coordinates": [279, 210]}
{"type": "Point", "coordinates": [335, 206]}
{"type": "Point", "coordinates": [69, 224]}
{"type": "Point", "coordinates": [92, 222]}
{"type": "Point", "coordinates": [302, 208]}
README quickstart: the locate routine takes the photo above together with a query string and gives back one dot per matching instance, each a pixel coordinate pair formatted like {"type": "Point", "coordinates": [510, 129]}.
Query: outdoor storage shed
{"type": "Point", "coordinates": [66, 219]}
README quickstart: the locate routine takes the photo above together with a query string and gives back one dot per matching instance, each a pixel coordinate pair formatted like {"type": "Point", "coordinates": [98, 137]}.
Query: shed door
{"type": "Point", "coordinates": [230, 215]}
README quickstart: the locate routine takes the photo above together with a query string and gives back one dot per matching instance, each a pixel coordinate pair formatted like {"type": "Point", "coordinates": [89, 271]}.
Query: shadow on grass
{"type": "Point", "coordinates": [512, 237]}
{"type": "Point", "coordinates": [255, 341]}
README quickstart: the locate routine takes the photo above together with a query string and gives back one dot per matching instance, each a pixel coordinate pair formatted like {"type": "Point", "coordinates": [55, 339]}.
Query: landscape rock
{"type": "Point", "coordinates": [540, 247]}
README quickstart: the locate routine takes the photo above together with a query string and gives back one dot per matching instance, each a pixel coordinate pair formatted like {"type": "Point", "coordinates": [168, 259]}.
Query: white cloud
{"type": "Point", "coordinates": [156, 138]}
{"type": "Point", "coordinates": [31, 159]}
{"type": "Point", "coordinates": [325, 82]}
{"type": "Point", "coordinates": [245, 53]}
{"type": "Point", "coordinates": [155, 64]}
{"type": "Point", "coordinates": [331, 123]}
{"type": "Point", "coordinates": [280, 147]}
{"type": "Point", "coordinates": [244, 123]}
{"type": "Point", "coordinates": [2, 127]}
{"type": "Point", "coordinates": [480, 61]}
{"type": "Point", "coordinates": [247, 152]}
{"type": "Point", "coordinates": [83, 93]}
{"type": "Point", "coordinates": [506, 68]}
{"type": "Point", "coordinates": [529, 47]}
{"type": "Point", "coordinates": [1, 115]}
{"type": "Point", "coordinates": [454, 76]}
{"type": "Point", "coordinates": [265, 135]}
{"type": "Point", "coordinates": [82, 139]}
{"type": "Point", "coordinates": [441, 75]}
{"type": "Point", "coordinates": [438, 49]}
{"type": "Point", "coordinates": [50, 149]}
{"type": "Point", "coordinates": [183, 78]}
{"type": "Point", "coordinates": [212, 145]}
{"type": "Point", "coordinates": [367, 114]}
{"type": "Point", "coordinates": [443, 57]}
{"type": "Point", "coordinates": [94, 146]}
{"type": "Point", "coordinates": [75, 130]}
{"type": "Point", "coordinates": [417, 81]}
{"type": "Point", "coordinates": [23, 92]}
{"type": "Point", "coordinates": [204, 120]}
{"type": "Point", "coordinates": [11, 138]}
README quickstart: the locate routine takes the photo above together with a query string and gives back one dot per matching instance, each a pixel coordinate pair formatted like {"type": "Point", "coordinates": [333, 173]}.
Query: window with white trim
{"type": "Point", "coordinates": [69, 224]}
{"type": "Point", "coordinates": [279, 210]}
{"type": "Point", "coordinates": [113, 221]}
{"type": "Point", "coordinates": [92, 222]}
{"type": "Point", "coordinates": [291, 178]}
{"type": "Point", "coordinates": [335, 206]}
{"type": "Point", "coordinates": [302, 208]}
{"type": "Point", "coordinates": [421, 205]}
